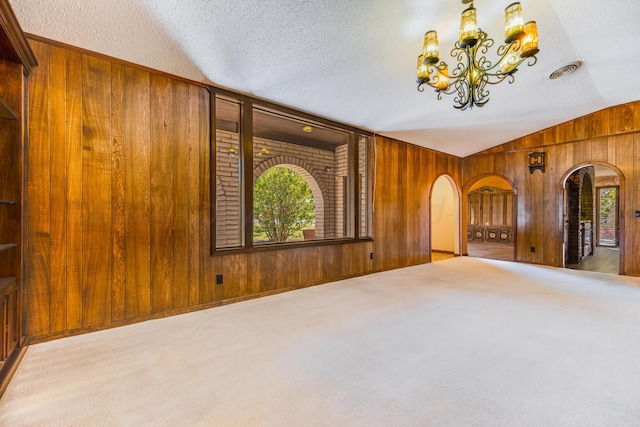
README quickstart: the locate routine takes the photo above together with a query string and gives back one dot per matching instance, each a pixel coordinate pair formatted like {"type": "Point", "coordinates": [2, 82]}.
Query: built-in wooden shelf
{"type": "Point", "coordinates": [6, 112]}
{"type": "Point", "coordinates": [7, 202]}
{"type": "Point", "coordinates": [7, 246]}
{"type": "Point", "coordinates": [6, 283]}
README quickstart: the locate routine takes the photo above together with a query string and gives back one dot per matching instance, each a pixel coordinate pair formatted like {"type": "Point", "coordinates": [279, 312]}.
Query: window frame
{"type": "Point", "coordinates": [352, 202]}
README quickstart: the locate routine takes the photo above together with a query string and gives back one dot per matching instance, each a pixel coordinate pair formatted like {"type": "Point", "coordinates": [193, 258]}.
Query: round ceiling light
{"type": "Point", "coordinates": [565, 70]}
{"type": "Point", "coordinates": [307, 128]}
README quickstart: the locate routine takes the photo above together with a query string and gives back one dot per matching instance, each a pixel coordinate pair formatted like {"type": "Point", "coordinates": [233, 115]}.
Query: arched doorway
{"type": "Point", "coordinates": [445, 218]}
{"type": "Point", "coordinates": [490, 218]}
{"type": "Point", "coordinates": [592, 221]}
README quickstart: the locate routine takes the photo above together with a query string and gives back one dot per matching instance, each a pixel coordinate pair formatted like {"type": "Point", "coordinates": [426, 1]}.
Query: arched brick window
{"type": "Point", "coordinates": [307, 172]}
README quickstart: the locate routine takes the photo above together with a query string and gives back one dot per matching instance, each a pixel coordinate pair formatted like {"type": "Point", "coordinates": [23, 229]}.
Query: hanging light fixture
{"type": "Point", "coordinates": [468, 80]}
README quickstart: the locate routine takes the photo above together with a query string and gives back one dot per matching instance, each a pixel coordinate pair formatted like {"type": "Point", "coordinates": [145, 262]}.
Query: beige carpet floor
{"type": "Point", "coordinates": [460, 342]}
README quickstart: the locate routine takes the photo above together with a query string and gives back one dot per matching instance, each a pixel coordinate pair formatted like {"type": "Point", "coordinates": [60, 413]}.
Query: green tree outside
{"type": "Point", "coordinates": [282, 205]}
{"type": "Point", "coordinates": [608, 197]}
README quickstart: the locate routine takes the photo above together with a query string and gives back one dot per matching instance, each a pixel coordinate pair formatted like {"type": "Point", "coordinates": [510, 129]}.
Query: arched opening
{"type": "Point", "coordinates": [592, 222]}
{"type": "Point", "coordinates": [445, 219]}
{"type": "Point", "coordinates": [491, 220]}
{"type": "Point", "coordinates": [276, 219]}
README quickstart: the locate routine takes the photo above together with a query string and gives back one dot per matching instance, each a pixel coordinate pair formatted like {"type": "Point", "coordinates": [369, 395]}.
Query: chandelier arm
{"type": "Point", "coordinates": [532, 60]}
{"type": "Point", "coordinates": [500, 78]}
{"type": "Point", "coordinates": [504, 49]}
{"type": "Point", "coordinates": [503, 59]}
{"type": "Point", "coordinates": [457, 75]}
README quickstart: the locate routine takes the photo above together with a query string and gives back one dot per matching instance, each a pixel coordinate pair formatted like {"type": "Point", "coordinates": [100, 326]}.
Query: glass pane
{"type": "Point", "coordinates": [498, 209]}
{"type": "Point", "coordinates": [300, 171]}
{"type": "Point", "coordinates": [228, 194]}
{"type": "Point", "coordinates": [608, 212]}
{"type": "Point", "coordinates": [363, 173]}
{"type": "Point", "coordinates": [485, 208]}
{"type": "Point", "coordinates": [509, 210]}
{"type": "Point", "coordinates": [474, 208]}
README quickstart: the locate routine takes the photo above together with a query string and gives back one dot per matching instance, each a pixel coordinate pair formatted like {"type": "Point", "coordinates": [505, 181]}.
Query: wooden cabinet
{"type": "Point", "coordinates": [9, 334]}
{"type": "Point", "coordinates": [490, 215]}
{"type": "Point", "coordinates": [16, 62]}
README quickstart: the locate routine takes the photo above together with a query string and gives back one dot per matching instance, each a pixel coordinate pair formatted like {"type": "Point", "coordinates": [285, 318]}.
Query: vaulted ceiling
{"type": "Point", "coordinates": [354, 61]}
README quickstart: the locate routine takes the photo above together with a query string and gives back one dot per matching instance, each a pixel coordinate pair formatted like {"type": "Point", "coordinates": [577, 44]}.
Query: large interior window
{"type": "Point", "coordinates": [287, 178]}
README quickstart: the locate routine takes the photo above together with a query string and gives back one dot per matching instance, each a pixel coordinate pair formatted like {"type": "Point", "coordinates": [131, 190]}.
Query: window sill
{"type": "Point", "coordinates": [289, 245]}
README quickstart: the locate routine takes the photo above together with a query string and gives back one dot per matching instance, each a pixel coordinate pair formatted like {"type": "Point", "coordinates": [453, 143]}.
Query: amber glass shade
{"type": "Point", "coordinates": [513, 22]}
{"type": "Point", "coordinates": [442, 81]}
{"type": "Point", "coordinates": [468, 28]}
{"type": "Point", "coordinates": [530, 40]}
{"type": "Point", "coordinates": [422, 73]}
{"type": "Point", "coordinates": [431, 49]}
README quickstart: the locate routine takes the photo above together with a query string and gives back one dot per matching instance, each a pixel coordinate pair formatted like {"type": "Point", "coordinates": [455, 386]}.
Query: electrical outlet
{"type": "Point", "coordinates": [637, 214]}
{"type": "Point", "coordinates": [533, 248]}
{"type": "Point", "coordinates": [218, 279]}
{"type": "Point", "coordinates": [371, 255]}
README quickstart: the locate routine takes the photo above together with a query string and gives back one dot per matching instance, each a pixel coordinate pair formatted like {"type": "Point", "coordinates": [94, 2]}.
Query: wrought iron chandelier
{"type": "Point", "coordinates": [474, 71]}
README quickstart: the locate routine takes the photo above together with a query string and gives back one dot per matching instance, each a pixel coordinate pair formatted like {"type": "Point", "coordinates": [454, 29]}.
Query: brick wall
{"type": "Point", "coordinates": [322, 169]}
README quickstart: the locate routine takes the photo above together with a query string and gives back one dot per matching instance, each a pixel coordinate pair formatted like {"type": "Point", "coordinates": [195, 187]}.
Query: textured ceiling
{"type": "Point", "coordinates": [354, 61]}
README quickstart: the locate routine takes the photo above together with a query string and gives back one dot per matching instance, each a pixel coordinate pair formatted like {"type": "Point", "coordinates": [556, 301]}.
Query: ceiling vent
{"type": "Point", "coordinates": [565, 70]}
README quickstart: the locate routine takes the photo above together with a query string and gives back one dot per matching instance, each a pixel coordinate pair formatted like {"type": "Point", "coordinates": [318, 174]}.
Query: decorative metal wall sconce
{"type": "Point", "coordinates": [536, 161]}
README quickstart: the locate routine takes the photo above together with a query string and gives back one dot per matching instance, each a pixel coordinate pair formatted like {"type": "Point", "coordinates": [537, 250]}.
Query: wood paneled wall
{"type": "Point", "coordinates": [119, 209]}
{"type": "Point", "coordinates": [405, 175]}
{"type": "Point", "coordinates": [117, 193]}
{"type": "Point", "coordinates": [610, 137]}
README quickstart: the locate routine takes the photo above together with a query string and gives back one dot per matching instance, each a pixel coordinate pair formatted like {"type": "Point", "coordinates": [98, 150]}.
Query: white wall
{"type": "Point", "coordinates": [443, 216]}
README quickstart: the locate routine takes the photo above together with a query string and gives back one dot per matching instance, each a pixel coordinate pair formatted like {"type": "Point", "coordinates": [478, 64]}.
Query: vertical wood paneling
{"type": "Point", "coordinates": [58, 141]}
{"type": "Point", "coordinates": [137, 190]}
{"type": "Point", "coordinates": [161, 193]}
{"type": "Point", "coordinates": [118, 194]}
{"type": "Point", "coordinates": [218, 268]}
{"type": "Point", "coordinates": [627, 162]}
{"type": "Point", "coordinates": [289, 272]}
{"type": "Point", "coordinates": [206, 291]}
{"type": "Point", "coordinates": [412, 203]}
{"type": "Point", "coordinates": [549, 197]}
{"type": "Point", "coordinates": [538, 222]}
{"type": "Point", "coordinates": [559, 154]}
{"type": "Point", "coordinates": [38, 240]}
{"type": "Point", "coordinates": [332, 256]}
{"type": "Point", "coordinates": [632, 259]}
{"type": "Point", "coordinates": [74, 190]}
{"type": "Point", "coordinates": [621, 119]}
{"type": "Point", "coordinates": [96, 191]}
{"type": "Point", "coordinates": [235, 273]}
{"type": "Point", "coordinates": [194, 195]}
{"type": "Point", "coordinates": [181, 250]}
